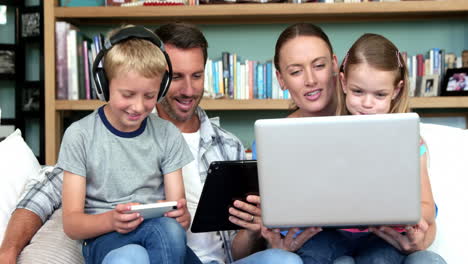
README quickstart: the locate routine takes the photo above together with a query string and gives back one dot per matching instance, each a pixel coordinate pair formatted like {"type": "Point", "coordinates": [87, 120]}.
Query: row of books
{"type": "Point", "coordinates": [75, 53]}
{"type": "Point", "coordinates": [434, 62]}
{"type": "Point", "coordinates": [234, 78]}
{"type": "Point", "coordinates": [228, 78]}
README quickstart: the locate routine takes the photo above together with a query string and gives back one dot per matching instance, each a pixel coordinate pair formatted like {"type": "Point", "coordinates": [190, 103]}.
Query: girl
{"type": "Point", "coordinates": [374, 80]}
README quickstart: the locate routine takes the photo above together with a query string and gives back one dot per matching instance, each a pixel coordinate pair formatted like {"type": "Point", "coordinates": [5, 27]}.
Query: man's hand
{"type": "Point", "coordinates": [247, 215]}
{"type": "Point", "coordinates": [123, 222]}
{"type": "Point", "coordinates": [181, 214]}
{"type": "Point", "coordinates": [411, 242]}
{"type": "Point", "coordinates": [289, 242]}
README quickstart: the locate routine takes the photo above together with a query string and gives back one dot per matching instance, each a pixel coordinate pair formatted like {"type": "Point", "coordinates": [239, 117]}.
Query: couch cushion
{"type": "Point", "coordinates": [51, 245]}
{"type": "Point", "coordinates": [448, 172]}
{"type": "Point", "coordinates": [17, 165]}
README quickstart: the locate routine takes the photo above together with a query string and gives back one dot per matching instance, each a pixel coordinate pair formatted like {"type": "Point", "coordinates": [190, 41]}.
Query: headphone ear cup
{"type": "Point", "coordinates": [165, 83]}
{"type": "Point", "coordinates": [102, 85]}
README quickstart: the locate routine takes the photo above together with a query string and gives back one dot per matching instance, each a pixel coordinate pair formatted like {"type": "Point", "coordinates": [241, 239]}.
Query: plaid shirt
{"type": "Point", "coordinates": [44, 196]}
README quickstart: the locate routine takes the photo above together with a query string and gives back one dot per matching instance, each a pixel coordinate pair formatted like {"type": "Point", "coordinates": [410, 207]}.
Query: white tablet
{"type": "Point", "coordinates": [148, 211]}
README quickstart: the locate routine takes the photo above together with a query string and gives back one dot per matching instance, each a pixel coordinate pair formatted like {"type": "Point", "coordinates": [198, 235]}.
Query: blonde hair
{"type": "Point", "coordinates": [133, 54]}
{"type": "Point", "coordinates": [381, 54]}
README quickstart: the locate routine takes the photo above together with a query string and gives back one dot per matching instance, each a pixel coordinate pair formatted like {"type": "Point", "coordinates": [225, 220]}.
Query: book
{"type": "Point", "coordinates": [80, 66]}
{"type": "Point", "coordinates": [465, 58]}
{"type": "Point", "coordinates": [87, 72]}
{"type": "Point", "coordinates": [72, 64]}
{"type": "Point", "coordinates": [225, 62]}
{"type": "Point", "coordinates": [61, 66]}
{"type": "Point", "coordinates": [268, 80]}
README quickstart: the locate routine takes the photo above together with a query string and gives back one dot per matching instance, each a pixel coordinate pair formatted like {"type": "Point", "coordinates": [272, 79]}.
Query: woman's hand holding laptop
{"type": "Point", "coordinates": [415, 239]}
{"type": "Point", "coordinates": [248, 215]}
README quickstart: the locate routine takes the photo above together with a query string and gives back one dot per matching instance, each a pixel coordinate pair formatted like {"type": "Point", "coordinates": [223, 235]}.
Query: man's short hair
{"type": "Point", "coordinates": [183, 36]}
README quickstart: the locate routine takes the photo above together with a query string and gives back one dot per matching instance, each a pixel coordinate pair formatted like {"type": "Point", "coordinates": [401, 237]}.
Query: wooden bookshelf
{"type": "Point", "coordinates": [449, 102]}
{"type": "Point", "coordinates": [267, 13]}
{"type": "Point", "coordinates": [231, 14]}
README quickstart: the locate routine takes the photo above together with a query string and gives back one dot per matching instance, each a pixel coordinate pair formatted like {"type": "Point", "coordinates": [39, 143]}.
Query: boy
{"type": "Point", "coordinates": [120, 155]}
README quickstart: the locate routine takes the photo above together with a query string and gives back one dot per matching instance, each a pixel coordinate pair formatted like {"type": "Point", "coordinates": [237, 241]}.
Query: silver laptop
{"type": "Point", "coordinates": [340, 171]}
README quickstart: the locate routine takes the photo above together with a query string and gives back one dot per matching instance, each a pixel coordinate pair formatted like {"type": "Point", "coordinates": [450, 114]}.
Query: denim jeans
{"type": "Point", "coordinates": [419, 257]}
{"type": "Point", "coordinates": [271, 256]}
{"type": "Point", "coordinates": [134, 253]}
{"type": "Point", "coordinates": [341, 247]}
{"type": "Point", "coordinates": [128, 254]}
{"type": "Point", "coordinates": [329, 245]}
{"type": "Point", "coordinates": [163, 238]}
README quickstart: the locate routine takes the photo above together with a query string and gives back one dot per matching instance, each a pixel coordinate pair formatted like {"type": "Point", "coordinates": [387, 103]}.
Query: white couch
{"type": "Point", "coordinates": [448, 170]}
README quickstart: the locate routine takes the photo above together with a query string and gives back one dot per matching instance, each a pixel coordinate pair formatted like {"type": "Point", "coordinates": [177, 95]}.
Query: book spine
{"type": "Point", "coordinates": [219, 64]}
{"type": "Point", "coordinates": [260, 81]}
{"type": "Point", "coordinates": [214, 69]}
{"type": "Point", "coordinates": [72, 64]}
{"type": "Point", "coordinates": [225, 62]}
{"type": "Point", "coordinates": [269, 88]}
{"type": "Point", "coordinates": [251, 79]}
{"type": "Point", "coordinates": [80, 66]}
{"type": "Point", "coordinates": [230, 92]}
{"type": "Point", "coordinates": [61, 68]}
{"type": "Point", "coordinates": [86, 70]}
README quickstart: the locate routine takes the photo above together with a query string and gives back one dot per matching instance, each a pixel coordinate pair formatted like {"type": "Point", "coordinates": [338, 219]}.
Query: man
{"type": "Point", "coordinates": [187, 49]}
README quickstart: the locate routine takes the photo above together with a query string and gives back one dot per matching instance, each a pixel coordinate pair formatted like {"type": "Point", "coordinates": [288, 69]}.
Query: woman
{"type": "Point", "coordinates": [308, 68]}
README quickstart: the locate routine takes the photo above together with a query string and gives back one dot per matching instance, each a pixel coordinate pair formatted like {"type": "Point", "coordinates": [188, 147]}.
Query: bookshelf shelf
{"type": "Point", "coordinates": [231, 14]}
{"type": "Point", "coordinates": [7, 76]}
{"type": "Point", "coordinates": [207, 104]}
{"type": "Point", "coordinates": [267, 13]}
{"type": "Point", "coordinates": [448, 102]}
{"type": "Point", "coordinates": [270, 104]}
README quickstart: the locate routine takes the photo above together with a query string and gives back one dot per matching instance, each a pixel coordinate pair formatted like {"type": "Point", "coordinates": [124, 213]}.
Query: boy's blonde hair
{"type": "Point", "coordinates": [138, 55]}
{"type": "Point", "coordinates": [381, 54]}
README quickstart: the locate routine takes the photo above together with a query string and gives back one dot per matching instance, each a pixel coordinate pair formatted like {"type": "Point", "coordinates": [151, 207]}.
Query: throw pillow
{"type": "Point", "coordinates": [51, 245]}
{"type": "Point", "coordinates": [17, 165]}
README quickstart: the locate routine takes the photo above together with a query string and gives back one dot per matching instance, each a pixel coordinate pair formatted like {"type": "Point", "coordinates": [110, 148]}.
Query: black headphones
{"type": "Point", "coordinates": [139, 32]}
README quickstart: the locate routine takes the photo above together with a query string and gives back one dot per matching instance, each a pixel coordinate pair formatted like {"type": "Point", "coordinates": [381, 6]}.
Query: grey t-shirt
{"type": "Point", "coordinates": [122, 167]}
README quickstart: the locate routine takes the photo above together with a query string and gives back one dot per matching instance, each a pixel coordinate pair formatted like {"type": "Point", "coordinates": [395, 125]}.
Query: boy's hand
{"type": "Point", "coordinates": [181, 214]}
{"type": "Point", "coordinates": [123, 222]}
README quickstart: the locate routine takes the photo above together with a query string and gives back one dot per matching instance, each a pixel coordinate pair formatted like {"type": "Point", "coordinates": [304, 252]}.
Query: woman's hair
{"type": "Point", "coordinates": [381, 54]}
{"type": "Point", "coordinates": [294, 31]}
{"type": "Point", "coordinates": [297, 30]}
{"type": "Point", "coordinates": [133, 54]}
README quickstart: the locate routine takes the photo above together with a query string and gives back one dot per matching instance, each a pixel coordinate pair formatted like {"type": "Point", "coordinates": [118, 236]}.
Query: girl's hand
{"type": "Point", "coordinates": [123, 222]}
{"type": "Point", "coordinates": [289, 242]}
{"type": "Point", "coordinates": [411, 242]}
{"type": "Point", "coordinates": [247, 215]}
{"type": "Point", "coordinates": [181, 214]}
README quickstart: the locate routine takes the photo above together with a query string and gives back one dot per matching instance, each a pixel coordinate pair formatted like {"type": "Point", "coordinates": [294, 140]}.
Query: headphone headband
{"type": "Point", "coordinates": [134, 32]}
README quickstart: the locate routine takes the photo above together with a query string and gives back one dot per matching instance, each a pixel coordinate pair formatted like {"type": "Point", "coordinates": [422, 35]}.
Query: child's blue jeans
{"type": "Point", "coordinates": [163, 238]}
